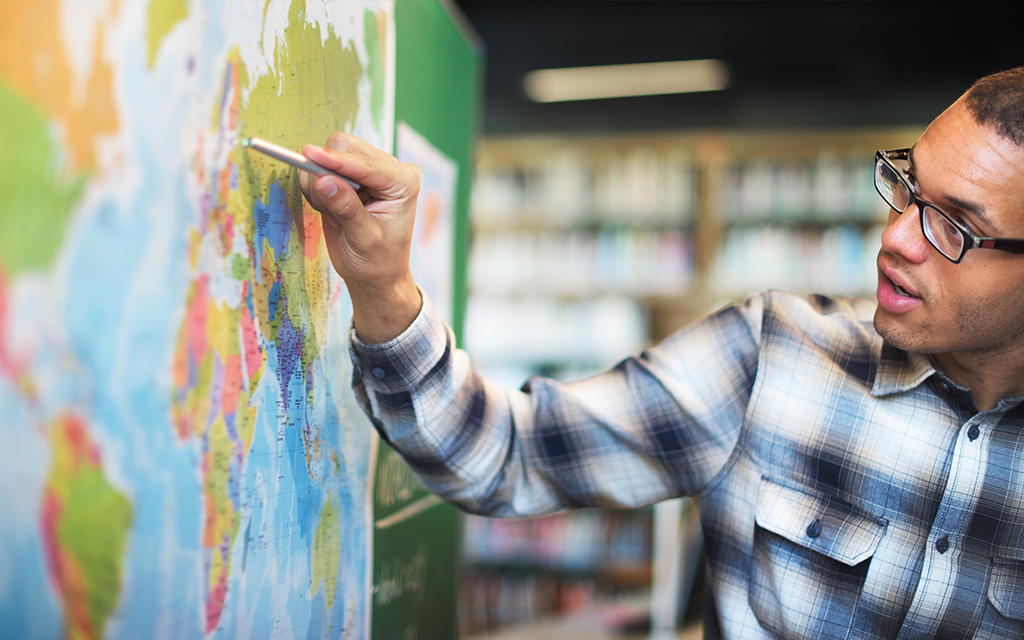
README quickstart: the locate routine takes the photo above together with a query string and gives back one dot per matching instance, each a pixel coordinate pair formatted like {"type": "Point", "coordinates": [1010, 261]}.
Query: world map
{"type": "Point", "coordinates": [182, 456]}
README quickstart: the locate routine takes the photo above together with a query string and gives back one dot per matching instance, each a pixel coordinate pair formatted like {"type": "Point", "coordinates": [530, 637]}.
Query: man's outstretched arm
{"type": "Point", "coordinates": [654, 427]}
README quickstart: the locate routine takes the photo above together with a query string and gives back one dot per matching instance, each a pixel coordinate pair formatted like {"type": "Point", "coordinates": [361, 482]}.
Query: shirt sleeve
{"type": "Point", "coordinates": [656, 426]}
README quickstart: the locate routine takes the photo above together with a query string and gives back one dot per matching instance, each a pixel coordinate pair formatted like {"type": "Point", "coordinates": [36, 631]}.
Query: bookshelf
{"type": "Point", "coordinates": [519, 570]}
{"type": "Point", "coordinates": [587, 249]}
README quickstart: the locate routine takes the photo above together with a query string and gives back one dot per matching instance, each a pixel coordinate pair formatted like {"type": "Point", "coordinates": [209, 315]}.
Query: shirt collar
{"type": "Point", "coordinates": [900, 371]}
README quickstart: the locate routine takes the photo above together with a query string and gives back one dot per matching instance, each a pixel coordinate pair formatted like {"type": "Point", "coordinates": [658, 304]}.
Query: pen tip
{"type": "Point", "coordinates": [247, 142]}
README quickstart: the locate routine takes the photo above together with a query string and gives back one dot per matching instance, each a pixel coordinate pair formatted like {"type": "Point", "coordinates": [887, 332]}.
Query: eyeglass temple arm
{"type": "Point", "coordinates": [1013, 246]}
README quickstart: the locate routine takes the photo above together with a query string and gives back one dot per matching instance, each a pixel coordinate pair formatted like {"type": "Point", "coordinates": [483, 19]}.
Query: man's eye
{"type": "Point", "coordinates": [963, 223]}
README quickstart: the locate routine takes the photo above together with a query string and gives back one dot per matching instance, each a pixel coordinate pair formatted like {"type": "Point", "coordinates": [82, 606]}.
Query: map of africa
{"type": "Point", "coordinates": [182, 456]}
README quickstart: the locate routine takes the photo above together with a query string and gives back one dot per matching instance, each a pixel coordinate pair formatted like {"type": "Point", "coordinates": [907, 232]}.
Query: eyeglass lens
{"type": "Point", "coordinates": [892, 187]}
{"type": "Point", "coordinates": [895, 190]}
{"type": "Point", "coordinates": [943, 235]}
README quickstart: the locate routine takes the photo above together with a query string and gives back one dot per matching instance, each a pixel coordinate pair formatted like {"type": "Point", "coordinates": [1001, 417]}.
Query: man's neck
{"type": "Point", "coordinates": [989, 376]}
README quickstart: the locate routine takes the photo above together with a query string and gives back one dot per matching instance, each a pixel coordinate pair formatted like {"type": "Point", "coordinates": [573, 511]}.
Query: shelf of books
{"type": "Point", "coordinates": [518, 570]}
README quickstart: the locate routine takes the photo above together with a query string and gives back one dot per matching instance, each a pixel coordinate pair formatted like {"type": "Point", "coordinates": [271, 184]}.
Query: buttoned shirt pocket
{"type": "Point", "coordinates": [810, 558]}
{"type": "Point", "coordinates": [1005, 617]}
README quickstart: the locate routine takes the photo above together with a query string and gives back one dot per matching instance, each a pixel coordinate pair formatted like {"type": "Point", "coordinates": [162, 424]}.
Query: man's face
{"type": "Point", "coordinates": [925, 302]}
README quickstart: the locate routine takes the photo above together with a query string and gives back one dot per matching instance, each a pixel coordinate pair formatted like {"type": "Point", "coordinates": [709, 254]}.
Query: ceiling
{"type": "Point", "coordinates": [792, 64]}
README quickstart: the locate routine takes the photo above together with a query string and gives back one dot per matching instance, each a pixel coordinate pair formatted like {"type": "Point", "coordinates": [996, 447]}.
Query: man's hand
{"type": "Point", "coordinates": [369, 232]}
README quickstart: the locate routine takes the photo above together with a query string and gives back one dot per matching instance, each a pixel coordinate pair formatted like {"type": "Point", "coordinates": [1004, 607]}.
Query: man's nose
{"type": "Point", "coordinates": [903, 234]}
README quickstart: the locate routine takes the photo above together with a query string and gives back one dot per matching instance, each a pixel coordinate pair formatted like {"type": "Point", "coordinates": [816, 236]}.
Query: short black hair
{"type": "Point", "coordinates": [997, 100]}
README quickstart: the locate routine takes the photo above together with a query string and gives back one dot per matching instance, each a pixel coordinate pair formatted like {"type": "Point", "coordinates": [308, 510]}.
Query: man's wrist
{"type": "Point", "coordinates": [381, 315]}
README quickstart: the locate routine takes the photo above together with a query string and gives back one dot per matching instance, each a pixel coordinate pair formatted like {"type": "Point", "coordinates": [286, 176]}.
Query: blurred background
{"type": "Point", "coordinates": [599, 226]}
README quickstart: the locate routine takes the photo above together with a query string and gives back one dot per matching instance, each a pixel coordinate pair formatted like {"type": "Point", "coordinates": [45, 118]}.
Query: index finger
{"type": "Point", "coordinates": [368, 166]}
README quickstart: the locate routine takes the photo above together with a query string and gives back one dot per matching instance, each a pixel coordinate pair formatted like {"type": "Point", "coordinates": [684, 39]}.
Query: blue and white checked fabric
{"type": "Point", "coordinates": [846, 489]}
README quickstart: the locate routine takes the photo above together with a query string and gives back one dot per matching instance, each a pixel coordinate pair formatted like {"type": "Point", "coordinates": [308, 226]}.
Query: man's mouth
{"type": "Point", "coordinates": [891, 275]}
{"type": "Point", "coordinates": [891, 296]}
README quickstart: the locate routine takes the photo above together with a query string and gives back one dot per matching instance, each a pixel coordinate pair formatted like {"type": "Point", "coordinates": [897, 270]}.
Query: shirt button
{"type": "Point", "coordinates": [973, 432]}
{"type": "Point", "coordinates": [942, 544]}
{"type": "Point", "coordinates": [813, 529]}
{"type": "Point", "coordinates": [379, 373]}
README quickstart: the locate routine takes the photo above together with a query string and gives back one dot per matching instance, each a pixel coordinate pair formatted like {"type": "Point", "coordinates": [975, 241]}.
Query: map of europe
{"type": "Point", "coordinates": [182, 456]}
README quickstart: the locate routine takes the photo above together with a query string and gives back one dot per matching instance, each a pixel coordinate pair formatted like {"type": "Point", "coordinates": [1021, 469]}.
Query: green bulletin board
{"type": "Point", "coordinates": [416, 537]}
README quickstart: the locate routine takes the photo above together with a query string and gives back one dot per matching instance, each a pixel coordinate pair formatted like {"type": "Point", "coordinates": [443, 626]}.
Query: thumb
{"type": "Point", "coordinates": [343, 211]}
{"type": "Point", "coordinates": [337, 201]}
{"type": "Point", "coordinates": [326, 187]}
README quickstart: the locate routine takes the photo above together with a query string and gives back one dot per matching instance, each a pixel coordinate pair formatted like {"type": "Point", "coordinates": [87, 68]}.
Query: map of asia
{"type": "Point", "coordinates": [181, 455]}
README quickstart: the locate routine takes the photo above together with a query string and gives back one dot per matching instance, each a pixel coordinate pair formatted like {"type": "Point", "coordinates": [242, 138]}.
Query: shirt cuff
{"type": "Point", "coordinates": [402, 363]}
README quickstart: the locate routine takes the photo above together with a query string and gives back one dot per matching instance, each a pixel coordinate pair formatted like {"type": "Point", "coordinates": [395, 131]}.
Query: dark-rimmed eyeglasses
{"type": "Point", "coordinates": [951, 238]}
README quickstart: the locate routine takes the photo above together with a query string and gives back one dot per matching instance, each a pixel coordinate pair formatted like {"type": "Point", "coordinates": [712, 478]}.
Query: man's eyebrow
{"type": "Point", "coordinates": [973, 208]}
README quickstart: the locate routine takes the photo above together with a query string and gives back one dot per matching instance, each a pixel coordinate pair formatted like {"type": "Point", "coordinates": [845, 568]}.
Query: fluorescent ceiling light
{"type": "Point", "coordinates": [623, 80]}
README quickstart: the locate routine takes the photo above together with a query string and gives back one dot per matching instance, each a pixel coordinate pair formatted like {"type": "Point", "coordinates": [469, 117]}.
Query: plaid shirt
{"type": "Point", "coordinates": [846, 489]}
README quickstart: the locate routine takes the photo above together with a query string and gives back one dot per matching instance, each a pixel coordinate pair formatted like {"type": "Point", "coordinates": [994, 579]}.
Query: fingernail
{"type": "Point", "coordinates": [327, 189]}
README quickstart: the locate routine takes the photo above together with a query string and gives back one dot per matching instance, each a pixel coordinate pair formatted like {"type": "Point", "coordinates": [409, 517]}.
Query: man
{"type": "Point", "coordinates": [855, 479]}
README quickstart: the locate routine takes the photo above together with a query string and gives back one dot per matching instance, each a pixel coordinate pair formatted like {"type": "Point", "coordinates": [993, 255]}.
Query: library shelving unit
{"type": "Point", "coordinates": [588, 248]}
{"type": "Point", "coordinates": [570, 237]}
{"type": "Point", "coordinates": [520, 570]}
